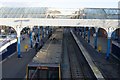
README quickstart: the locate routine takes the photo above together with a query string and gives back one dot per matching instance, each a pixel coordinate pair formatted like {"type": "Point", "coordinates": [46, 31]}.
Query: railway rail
{"type": "Point", "coordinates": [79, 68]}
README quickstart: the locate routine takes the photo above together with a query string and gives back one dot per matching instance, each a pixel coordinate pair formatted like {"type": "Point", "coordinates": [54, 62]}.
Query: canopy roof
{"type": "Point", "coordinates": [43, 12]}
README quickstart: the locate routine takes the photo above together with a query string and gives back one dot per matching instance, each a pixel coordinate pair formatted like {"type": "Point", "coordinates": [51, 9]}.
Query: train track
{"type": "Point", "coordinates": [79, 68]}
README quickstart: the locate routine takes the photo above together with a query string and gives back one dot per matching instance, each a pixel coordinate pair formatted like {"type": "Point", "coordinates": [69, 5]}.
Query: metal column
{"type": "Point", "coordinates": [95, 37]}
{"type": "Point", "coordinates": [31, 40]}
{"type": "Point", "coordinates": [84, 32]}
{"type": "Point", "coordinates": [38, 34]}
{"type": "Point", "coordinates": [109, 32]}
{"type": "Point", "coordinates": [18, 44]}
{"type": "Point", "coordinates": [46, 31]}
{"type": "Point", "coordinates": [42, 40]}
{"type": "Point", "coordinates": [81, 31]}
{"type": "Point", "coordinates": [108, 48]}
{"type": "Point", "coordinates": [42, 33]}
{"type": "Point", "coordinates": [95, 40]}
{"type": "Point", "coordinates": [88, 35]}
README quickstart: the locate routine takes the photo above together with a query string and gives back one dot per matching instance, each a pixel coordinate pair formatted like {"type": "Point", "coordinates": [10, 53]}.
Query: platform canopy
{"type": "Point", "coordinates": [44, 16]}
{"type": "Point", "coordinates": [45, 12]}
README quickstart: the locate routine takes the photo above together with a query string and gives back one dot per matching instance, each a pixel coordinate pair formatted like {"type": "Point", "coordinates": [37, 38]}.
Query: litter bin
{"type": "Point", "coordinates": [99, 48]}
{"type": "Point", "coordinates": [26, 47]}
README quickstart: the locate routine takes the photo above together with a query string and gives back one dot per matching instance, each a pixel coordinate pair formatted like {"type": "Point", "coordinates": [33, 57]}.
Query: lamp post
{"type": "Point", "coordinates": [18, 36]}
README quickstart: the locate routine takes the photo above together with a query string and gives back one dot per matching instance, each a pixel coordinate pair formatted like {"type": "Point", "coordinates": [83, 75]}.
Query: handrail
{"type": "Point", "coordinates": [34, 74]}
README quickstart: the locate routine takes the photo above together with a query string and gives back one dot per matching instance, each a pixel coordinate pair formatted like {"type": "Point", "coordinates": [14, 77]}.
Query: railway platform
{"type": "Point", "coordinates": [12, 66]}
{"type": "Point", "coordinates": [46, 64]}
{"type": "Point", "coordinates": [102, 42]}
{"type": "Point", "coordinates": [109, 68]}
{"type": "Point", "coordinates": [15, 68]}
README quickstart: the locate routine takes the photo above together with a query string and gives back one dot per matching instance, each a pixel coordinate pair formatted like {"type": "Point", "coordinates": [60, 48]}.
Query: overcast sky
{"type": "Point", "coordinates": [60, 3]}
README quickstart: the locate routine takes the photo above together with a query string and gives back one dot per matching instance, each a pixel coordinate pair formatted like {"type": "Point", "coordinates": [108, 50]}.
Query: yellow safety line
{"type": "Point", "coordinates": [59, 73]}
{"type": "Point", "coordinates": [27, 72]}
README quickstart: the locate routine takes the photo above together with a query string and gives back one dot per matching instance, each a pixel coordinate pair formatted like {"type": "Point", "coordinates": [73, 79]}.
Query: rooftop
{"type": "Point", "coordinates": [45, 12]}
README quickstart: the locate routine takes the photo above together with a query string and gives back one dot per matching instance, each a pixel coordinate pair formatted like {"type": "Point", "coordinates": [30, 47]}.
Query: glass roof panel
{"type": "Point", "coordinates": [102, 13]}
{"type": "Point", "coordinates": [40, 12]}
{"type": "Point", "coordinates": [112, 11]}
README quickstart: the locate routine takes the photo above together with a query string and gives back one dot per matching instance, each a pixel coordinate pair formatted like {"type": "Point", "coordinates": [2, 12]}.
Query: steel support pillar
{"type": "Point", "coordinates": [42, 33]}
{"type": "Point", "coordinates": [84, 32]}
{"type": "Point", "coordinates": [42, 42]}
{"type": "Point", "coordinates": [18, 30]}
{"type": "Point", "coordinates": [46, 31]}
{"type": "Point", "coordinates": [109, 32]}
{"type": "Point", "coordinates": [38, 34]}
{"type": "Point", "coordinates": [95, 40]}
{"type": "Point", "coordinates": [81, 31]}
{"type": "Point", "coordinates": [31, 40]}
{"type": "Point", "coordinates": [108, 48]}
{"type": "Point", "coordinates": [88, 35]}
{"type": "Point", "coordinates": [95, 37]}
{"type": "Point", "coordinates": [18, 44]}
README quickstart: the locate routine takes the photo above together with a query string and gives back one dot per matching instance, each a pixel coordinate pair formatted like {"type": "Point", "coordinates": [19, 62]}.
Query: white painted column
{"type": "Point", "coordinates": [18, 30]}
{"type": "Point", "coordinates": [109, 33]}
{"type": "Point", "coordinates": [95, 37]}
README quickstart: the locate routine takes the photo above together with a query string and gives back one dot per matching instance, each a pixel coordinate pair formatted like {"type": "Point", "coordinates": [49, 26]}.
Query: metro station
{"type": "Point", "coordinates": [46, 43]}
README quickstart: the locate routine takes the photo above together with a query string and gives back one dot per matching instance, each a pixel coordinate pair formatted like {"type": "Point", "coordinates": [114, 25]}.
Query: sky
{"type": "Point", "coordinates": [61, 3]}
